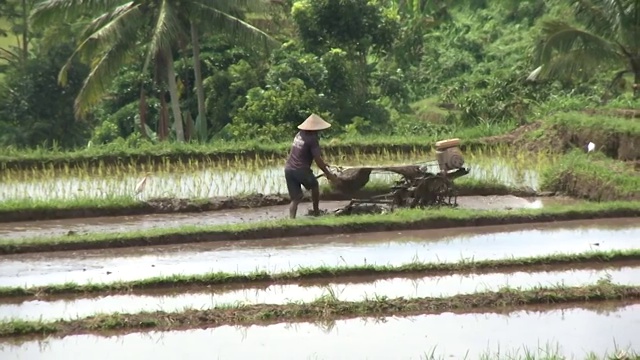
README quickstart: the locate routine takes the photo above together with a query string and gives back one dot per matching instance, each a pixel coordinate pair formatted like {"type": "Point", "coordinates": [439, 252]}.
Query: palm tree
{"type": "Point", "coordinates": [117, 28]}
{"type": "Point", "coordinates": [112, 38]}
{"type": "Point", "coordinates": [218, 16]}
{"type": "Point", "coordinates": [611, 34]}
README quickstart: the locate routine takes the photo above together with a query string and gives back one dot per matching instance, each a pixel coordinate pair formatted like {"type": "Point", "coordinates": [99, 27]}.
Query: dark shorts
{"type": "Point", "coordinates": [297, 177]}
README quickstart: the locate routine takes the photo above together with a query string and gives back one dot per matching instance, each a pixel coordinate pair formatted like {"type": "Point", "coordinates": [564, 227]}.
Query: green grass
{"type": "Point", "coordinates": [324, 308]}
{"type": "Point", "coordinates": [546, 352]}
{"type": "Point", "coordinates": [114, 152]}
{"type": "Point", "coordinates": [403, 219]}
{"type": "Point", "coordinates": [322, 272]}
{"type": "Point", "coordinates": [592, 176]}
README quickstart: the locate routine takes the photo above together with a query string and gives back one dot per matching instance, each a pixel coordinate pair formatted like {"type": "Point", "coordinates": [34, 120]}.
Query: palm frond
{"type": "Point", "coordinates": [581, 62]}
{"type": "Point", "coordinates": [229, 6]}
{"type": "Point", "coordinates": [54, 11]}
{"type": "Point", "coordinates": [562, 38]}
{"type": "Point", "coordinates": [241, 31]}
{"type": "Point", "coordinates": [105, 18]}
{"type": "Point", "coordinates": [103, 71]}
{"type": "Point", "coordinates": [165, 33]}
{"type": "Point", "coordinates": [125, 24]}
{"type": "Point", "coordinates": [610, 19]}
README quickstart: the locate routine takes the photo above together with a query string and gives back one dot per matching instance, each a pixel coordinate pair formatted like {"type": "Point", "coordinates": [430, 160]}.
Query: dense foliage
{"type": "Point", "coordinates": [368, 66]}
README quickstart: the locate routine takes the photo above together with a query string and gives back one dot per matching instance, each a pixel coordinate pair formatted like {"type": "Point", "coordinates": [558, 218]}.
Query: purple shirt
{"type": "Point", "coordinates": [303, 149]}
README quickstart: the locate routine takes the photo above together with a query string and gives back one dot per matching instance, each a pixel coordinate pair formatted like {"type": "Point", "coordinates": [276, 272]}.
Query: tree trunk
{"type": "Point", "coordinates": [142, 109]}
{"type": "Point", "coordinates": [163, 125]}
{"type": "Point", "coordinates": [173, 92]}
{"type": "Point", "coordinates": [636, 83]}
{"type": "Point", "coordinates": [25, 33]}
{"type": "Point", "coordinates": [195, 43]}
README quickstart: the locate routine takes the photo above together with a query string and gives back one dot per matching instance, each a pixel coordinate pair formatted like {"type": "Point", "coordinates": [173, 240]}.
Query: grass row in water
{"type": "Point", "coordinates": [592, 176]}
{"type": "Point", "coordinates": [404, 219]}
{"type": "Point", "coordinates": [325, 308]}
{"type": "Point", "coordinates": [231, 150]}
{"type": "Point", "coordinates": [324, 272]}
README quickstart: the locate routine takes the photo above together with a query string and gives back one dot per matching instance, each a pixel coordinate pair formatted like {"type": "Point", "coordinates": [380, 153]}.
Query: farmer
{"type": "Point", "coordinates": [297, 171]}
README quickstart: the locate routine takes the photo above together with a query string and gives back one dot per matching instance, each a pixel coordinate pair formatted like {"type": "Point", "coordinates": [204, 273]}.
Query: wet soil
{"type": "Point", "coordinates": [177, 205]}
{"type": "Point", "coordinates": [289, 254]}
{"type": "Point", "coordinates": [261, 233]}
{"type": "Point", "coordinates": [236, 216]}
{"type": "Point", "coordinates": [344, 289]}
{"type": "Point", "coordinates": [324, 310]}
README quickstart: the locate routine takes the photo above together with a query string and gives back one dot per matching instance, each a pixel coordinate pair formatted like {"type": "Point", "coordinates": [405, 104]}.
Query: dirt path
{"type": "Point", "coordinates": [142, 222]}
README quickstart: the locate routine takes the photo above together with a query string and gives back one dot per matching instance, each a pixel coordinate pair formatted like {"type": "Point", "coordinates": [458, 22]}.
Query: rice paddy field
{"type": "Point", "coordinates": [204, 180]}
{"type": "Point", "coordinates": [509, 274]}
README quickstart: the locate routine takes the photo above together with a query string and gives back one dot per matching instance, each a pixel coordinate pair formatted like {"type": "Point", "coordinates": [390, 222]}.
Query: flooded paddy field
{"type": "Point", "coordinates": [49, 308]}
{"type": "Point", "coordinates": [198, 181]}
{"type": "Point", "coordinates": [574, 332]}
{"type": "Point", "coordinates": [114, 224]}
{"type": "Point", "coordinates": [276, 255]}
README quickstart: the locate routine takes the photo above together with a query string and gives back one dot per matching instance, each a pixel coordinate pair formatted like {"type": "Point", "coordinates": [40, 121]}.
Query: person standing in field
{"type": "Point", "coordinates": [297, 171]}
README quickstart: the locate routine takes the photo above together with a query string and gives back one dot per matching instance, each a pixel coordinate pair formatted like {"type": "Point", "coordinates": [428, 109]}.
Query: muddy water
{"type": "Point", "coordinates": [207, 183]}
{"type": "Point", "coordinates": [574, 332]}
{"type": "Point", "coordinates": [142, 222]}
{"type": "Point", "coordinates": [394, 248]}
{"type": "Point", "coordinates": [406, 287]}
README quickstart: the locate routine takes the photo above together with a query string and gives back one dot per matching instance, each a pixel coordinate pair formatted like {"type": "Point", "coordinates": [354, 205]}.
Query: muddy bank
{"type": "Point", "coordinates": [272, 256]}
{"type": "Point", "coordinates": [604, 328]}
{"type": "Point", "coordinates": [175, 205]}
{"type": "Point", "coordinates": [287, 230]}
{"type": "Point", "coordinates": [162, 157]}
{"type": "Point", "coordinates": [327, 309]}
{"type": "Point", "coordinates": [51, 228]}
{"type": "Point", "coordinates": [55, 308]}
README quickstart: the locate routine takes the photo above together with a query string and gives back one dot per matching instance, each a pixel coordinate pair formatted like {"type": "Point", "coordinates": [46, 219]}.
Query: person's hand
{"type": "Point", "coordinates": [332, 177]}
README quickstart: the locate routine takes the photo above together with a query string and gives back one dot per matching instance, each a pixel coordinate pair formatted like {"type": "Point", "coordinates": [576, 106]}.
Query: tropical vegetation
{"type": "Point", "coordinates": [77, 74]}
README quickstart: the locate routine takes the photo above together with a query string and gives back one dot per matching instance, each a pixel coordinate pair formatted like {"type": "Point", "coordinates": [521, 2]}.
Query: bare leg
{"type": "Point", "coordinates": [293, 208]}
{"type": "Point", "coordinates": [315, 197]}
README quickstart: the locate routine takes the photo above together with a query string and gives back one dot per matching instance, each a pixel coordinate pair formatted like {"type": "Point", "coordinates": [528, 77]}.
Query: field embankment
{"type": "Point", "coordinates": [594, 177]}
{"type": "Point", "coordinates": [321, 309]}
{"type": "Point", "coordinates": [321, 275]}
{"type": "Point", "coordinates": [413, 219]}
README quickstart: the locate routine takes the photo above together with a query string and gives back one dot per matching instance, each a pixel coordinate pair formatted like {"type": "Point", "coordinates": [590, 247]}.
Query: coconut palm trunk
{"type": "Point", "coordinates": [173, 93]}
{"type": "Point", "coordinates": [195, 43]}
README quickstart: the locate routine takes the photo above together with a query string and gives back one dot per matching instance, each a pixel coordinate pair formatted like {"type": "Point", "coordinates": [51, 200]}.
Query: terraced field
{"type": "Point", "coordinates": [515, 271]}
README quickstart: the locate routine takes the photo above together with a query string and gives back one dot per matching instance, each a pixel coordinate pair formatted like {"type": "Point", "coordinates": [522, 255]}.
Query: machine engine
{"type": "Point", "coordinates": [448, 155]}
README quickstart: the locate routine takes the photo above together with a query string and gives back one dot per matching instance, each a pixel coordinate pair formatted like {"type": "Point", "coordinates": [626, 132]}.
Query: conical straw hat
{"type": "Point", "coordinates": [314, 123]}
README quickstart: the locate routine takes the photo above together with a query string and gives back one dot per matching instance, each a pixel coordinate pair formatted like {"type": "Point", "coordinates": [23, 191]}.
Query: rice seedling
{"type": "Point", "coordinates": [197, 179]}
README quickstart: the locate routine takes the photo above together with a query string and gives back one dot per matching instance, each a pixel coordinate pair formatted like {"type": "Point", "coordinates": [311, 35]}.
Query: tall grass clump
{"type": "Point", "coordinates": [592, 176]}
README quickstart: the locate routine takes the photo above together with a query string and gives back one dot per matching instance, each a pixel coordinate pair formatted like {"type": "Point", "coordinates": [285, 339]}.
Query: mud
{"type": "Point", "coordinates": [49, 309]}
{"type": "Point", "coordinates": [220, 217]}
{"type": "Point", "coordinates": [274, 255]}
{"type": "Point", "coordinates": [574, 331]}
{"type": "Point", "coordinates": [169, 205]}
{"type": "Point", "coordinates": [272, 232]}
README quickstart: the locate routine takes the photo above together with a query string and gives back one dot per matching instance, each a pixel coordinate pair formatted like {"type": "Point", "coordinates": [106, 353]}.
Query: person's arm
{"type": "Point", "coordinates": [317, 157]}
